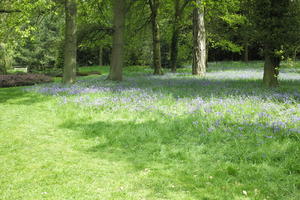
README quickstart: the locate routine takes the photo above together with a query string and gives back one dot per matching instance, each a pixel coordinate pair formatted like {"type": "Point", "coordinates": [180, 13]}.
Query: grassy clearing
{"type": "Point", "coordinates": [150, 137]}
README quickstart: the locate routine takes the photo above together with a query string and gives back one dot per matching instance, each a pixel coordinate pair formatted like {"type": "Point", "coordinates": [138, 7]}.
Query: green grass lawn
{"type": "Point", "coordinates": [174, 137]}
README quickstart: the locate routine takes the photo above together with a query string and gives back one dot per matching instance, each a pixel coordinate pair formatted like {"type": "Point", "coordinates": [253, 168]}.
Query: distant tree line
{"type": "Point", "coordinates": [48, 34]}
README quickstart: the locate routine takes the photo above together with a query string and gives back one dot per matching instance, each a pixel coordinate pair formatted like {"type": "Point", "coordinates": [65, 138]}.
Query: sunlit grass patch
{"type": "Point", "coordinates": [175, 136]}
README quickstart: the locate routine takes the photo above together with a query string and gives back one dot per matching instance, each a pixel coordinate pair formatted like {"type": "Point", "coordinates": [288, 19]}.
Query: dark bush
{"type": "Point", "coordinates": [23, 79]}
{"type": "Point", "coordinates": [57, 74]}
{"type": "Point", "coordinates": [88, 73]}
{"type": "Point", "coordinates": [54, 74]}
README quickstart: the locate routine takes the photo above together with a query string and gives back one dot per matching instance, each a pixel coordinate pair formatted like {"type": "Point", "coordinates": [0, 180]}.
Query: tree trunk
{"type": "Point", "coordinates": [295, 54]}
{"type": "Point", "coordinates": [174, 47]}
{"type": "Point", "coordinates": [100, 56]}
{"type": "Point", "coordinates": [246, 52]}
{"type": "Point", "coordinates": [206, 55]}
{"type": "Point", "coordinates": [175, 36]}
{"type": "Point", "coordinates": [2, 70]}
{"type": "Point", "coordinates": [199, 41]}
{"type": "Point", "coordinates": [154, 5]}
{"type": "Point", "coordinates": [70, 50]}
{"type": "Point", "coordinates": [271, 69]}
{"type": "Point", "coordinates": [116, 67]}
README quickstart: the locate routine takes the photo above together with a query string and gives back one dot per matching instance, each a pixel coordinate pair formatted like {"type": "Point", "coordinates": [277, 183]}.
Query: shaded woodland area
{"type": "Point", "coordinates": [61, 35]}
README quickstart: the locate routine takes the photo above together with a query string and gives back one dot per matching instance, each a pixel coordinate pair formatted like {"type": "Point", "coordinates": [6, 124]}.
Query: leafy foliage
{"type": "Point", "coordinates": [276, 23]}
{"type": "Point", "coordinates": [6, 58]}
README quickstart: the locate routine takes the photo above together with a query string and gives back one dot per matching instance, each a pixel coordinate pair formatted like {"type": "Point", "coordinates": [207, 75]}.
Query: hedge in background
{"type": "Point", "coordinates": [23, 79]}
{"type": "Point", "coordinates": [60, 74]}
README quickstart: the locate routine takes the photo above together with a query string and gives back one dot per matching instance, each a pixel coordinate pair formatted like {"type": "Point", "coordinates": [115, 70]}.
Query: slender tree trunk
{"type": "Point", "coordinates": [271, 69]}
{"type": "Point", "coordinates": [154, 5]}
{"type": "Point", "coordinates": [2, 70]}
{"type": "Point", "coordinates": [199, 41]}
{"type": "Point", "coordinates": [174, 48]}
{"type": "Point", "coordinates": [175, 36]}
{"type": "Point", "coordinates": [3, 64]}
{"type": "Point", "coordinates": [206, 54]}
{"type": "Point", "coordinates": [295, 54]}
{"type": "Point", "coordinates": [70, 50]}
{"type": "Point", "coordinates": [246, 52]}
{"type": "Point", "coordinates": [100, 56]}
{"type": "Point", "coordinates": [116, 68]}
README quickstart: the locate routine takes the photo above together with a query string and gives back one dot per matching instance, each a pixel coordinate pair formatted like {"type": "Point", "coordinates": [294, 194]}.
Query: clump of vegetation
{"type": "Point", "coordinates": [60, 73]}
{"type": "Point", "coordinates": [23, 79]}
{"type": "Point", "coordinates": [88, 73]}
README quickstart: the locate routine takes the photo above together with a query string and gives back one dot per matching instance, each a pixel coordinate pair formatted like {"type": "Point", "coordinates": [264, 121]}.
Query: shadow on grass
{"type": "Point", "coordinates": [16, 95]}
{"type": "Point", "coordinates": [183, 85]}
{"type": "Point", "coordinates": [180, 154]}
{"type": "Point", "coordinates": [189, 87]}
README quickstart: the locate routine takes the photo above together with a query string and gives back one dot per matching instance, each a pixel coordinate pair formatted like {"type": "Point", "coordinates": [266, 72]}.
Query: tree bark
{"type": "Point", "coordinates": [9, 11]}
{"type": "Point", "coordinates": [116, 68]}
{"type": "Point", "coordinates": [199, 41]}
{"type": "Point", "coordinates": [271, 69]}
{"type": "Point", "coordinates": [154, 5]}
{"type": "Point", "coordinates": [3, 70]}
{"type": "Point", "coordinates": [174, 48]}
{"type": "Point", "coordinates": [206, 55]}
{"type": "Point", "coordinates": [175, 36]}
{"type": "Point", "coordinates": [246, 52]}
{"type": "Point", "coordinates": [295, 54]}
{"type": "Point", "coordinates": [70, 49]}
{"type": "Point", "coordinates": [100, 56]}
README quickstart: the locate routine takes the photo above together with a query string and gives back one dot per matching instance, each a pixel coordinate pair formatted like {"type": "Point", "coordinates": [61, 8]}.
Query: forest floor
{"type": "Point", "coordinates": [175, 136]}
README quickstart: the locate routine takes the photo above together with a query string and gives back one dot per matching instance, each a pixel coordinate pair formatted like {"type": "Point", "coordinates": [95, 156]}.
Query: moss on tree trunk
{"type": "Point", "coordinates": [271, 70]}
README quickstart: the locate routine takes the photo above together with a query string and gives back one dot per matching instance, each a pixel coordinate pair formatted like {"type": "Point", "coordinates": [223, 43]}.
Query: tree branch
{"type": "Point", "coordinates": [183, 6]}
{"type": "Point", "coordinates": [9, 11]}
{"type": "Point", "coordinates": [151, 5]}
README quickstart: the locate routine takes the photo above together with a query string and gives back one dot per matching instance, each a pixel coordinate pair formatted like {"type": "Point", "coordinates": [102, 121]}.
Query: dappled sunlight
{"type": "Point", "coordinates": [168, 137]}
{"type": "Point", "coordinates": [160, 150]}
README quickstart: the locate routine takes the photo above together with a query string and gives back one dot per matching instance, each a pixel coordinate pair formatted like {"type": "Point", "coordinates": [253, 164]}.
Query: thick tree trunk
{"type": "Point", "coordinates": [100, 56]}
{"type": "Point", "coordinates": [175, 37]}
{"type": "Point", "coordinates": [70, 50]}
{"type": "Point", "coordinates": [199, 41]}
{"type": "Point", "coordinates": [154, 5]}
{"type": "Point", "coordinates": [246, 52]}
{"type": "Point", "coordinates": [116, 67]}
{"type": "Point", "coordinates": [271, 70]}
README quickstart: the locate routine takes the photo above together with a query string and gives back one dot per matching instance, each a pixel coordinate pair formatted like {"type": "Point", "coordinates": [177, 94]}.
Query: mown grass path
{"type": "Point", "coordinates": [170, 137]}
